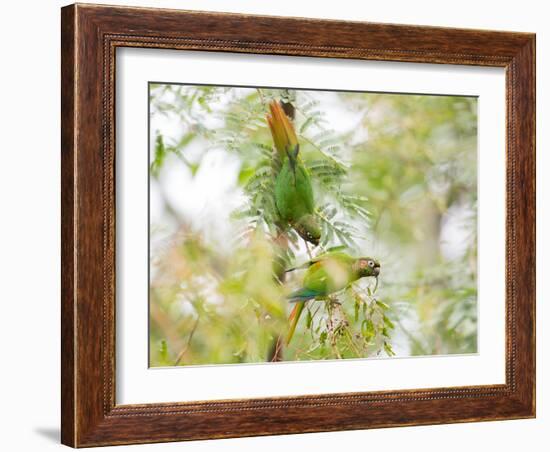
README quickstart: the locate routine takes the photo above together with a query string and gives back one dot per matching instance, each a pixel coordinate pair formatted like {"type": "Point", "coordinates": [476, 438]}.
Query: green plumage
{"type": "Point", "coordinates": [332, 272]}
{"type": "Point", "coordinates": [293, 190]}
{"type": "Point", "coordinates": [294, 197]}
{"type": "Point", "coordinates": [326, 274]}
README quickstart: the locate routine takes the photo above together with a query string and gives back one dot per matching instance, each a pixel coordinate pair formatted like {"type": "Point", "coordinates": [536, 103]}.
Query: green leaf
{"type": "Point", "coordinates": [367, 329]}
{"type": "Point", "coordinates": [308, 122]}
{"type": "Point", "coordinates": [388, 349]}
{"type": "Point", "coordinates": [244, 175]}
{"type": "Point", "coordinates": [382, 305]}
{"type": "Point", "coordinates": [389, 324]}
{"type": "Point", "coordinates": [160, 155]}
{"type": "Point", "coordinates": [163, 351]}
{"type": "Point", "coordinates": [309, 319]}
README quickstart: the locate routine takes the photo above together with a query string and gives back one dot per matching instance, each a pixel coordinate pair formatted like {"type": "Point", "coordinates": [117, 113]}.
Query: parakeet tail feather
{"type": "Point", "coordinates": [293, 319]}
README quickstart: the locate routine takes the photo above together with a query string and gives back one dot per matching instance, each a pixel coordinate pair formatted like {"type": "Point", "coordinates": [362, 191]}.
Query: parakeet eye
{"type": "Point", "coordinates": [371, 264]}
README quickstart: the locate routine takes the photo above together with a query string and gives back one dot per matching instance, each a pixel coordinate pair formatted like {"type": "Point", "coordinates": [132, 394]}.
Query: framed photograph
{"type": "Point", "coordinates": [281, 225]}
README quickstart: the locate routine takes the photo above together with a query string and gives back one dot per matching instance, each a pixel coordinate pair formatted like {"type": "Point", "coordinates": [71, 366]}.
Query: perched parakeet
{"type": "Point", "coordinates": [328, 273]}
{"type": "Point", "coordinates": [293, 190]}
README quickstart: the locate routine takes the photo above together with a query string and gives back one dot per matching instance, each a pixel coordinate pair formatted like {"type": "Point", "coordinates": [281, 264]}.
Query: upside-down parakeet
{"type": "Point", "coordinates": [326, 274]}
{"type": "Point", "coordinates": [293, 190]}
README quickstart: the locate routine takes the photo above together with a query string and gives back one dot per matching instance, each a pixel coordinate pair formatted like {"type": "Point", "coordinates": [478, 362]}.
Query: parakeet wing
{"type": "Point", "coordinates": [293, 192]}
{"type": "Point", "coordinates": [329, 274]}
{"type": "Point", "coordinates": [336, 252]}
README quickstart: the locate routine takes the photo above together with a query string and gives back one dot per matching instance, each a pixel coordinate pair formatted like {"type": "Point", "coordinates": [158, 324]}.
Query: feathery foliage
{"type": "Point", "coordinates": [222, 299]}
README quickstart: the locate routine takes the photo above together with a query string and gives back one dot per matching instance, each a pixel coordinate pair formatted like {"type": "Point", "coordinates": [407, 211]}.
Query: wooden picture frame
{"type": "Point", "coordinates": [90, 35]}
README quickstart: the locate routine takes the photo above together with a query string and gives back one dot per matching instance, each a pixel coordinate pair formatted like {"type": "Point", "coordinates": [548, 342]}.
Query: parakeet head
{"type": "Point", "coordinates": [308, 228]}
{"type": "Point", "coordinates": [367, 266]}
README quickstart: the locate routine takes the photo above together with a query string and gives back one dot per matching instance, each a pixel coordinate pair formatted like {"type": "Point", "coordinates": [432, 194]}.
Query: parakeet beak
{"type": "Point", "coordinates": [376, 270]}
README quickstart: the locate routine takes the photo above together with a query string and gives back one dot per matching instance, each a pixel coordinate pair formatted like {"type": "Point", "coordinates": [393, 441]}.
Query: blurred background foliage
{"type": "Point", "coordinates": [395, 178]}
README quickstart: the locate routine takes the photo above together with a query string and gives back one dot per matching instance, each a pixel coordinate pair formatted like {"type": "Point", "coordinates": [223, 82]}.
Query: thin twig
{"type": "Point", "coordinates": [262, 100]}
{"type": "Point", "coordinates": [350, 338]}
{"type": "Point", "coordinates": [180, 356]}
{"type": "Point", "coordinates": [307, 249]}
{"type": "Point", "coordinates": [278, 349]}
{"type": "Point", "coordinates": [328, 156]}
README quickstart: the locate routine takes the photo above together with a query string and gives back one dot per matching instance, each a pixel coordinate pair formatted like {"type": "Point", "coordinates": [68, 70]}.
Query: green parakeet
{"type": "Point", "coordinates": [293, 190]}
{"type": "Point", "coordinates": [328, 273]}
